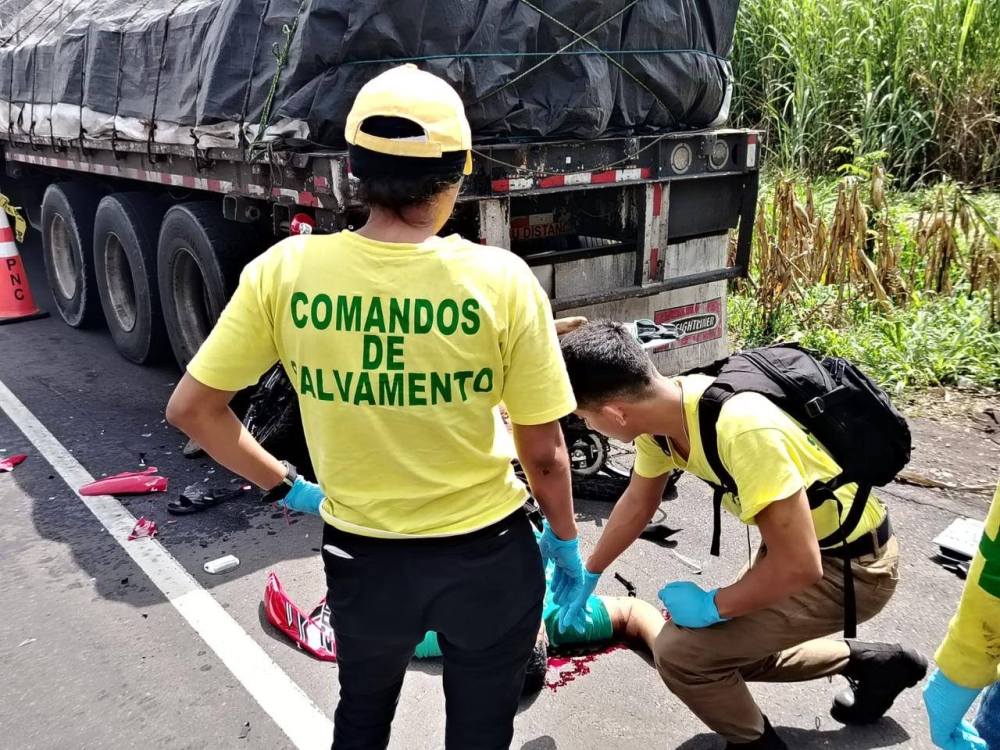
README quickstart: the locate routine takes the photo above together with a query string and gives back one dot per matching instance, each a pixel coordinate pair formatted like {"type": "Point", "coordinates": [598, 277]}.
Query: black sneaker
{"type": "Point", "coordinates": [877, 673]}
{"type": "Point", "coordinates": [767, 741]}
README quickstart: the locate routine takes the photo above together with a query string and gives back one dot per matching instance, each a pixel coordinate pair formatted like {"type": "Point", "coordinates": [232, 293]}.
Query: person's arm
{"type": "Point", "coordinates": [203, 414]}
{"type": "Point", "coordinates": [631, 513]}
{"type": "Point", "coordinates": [236, 353]}
{"type": "Point", "coordinates": [792, 562]}
{"type": "Point", "coordinates": [566, 325]}
{"type": "Point", "coordinates": [541, 450]}
{"type": "Point", "coordinates": [536, 394]}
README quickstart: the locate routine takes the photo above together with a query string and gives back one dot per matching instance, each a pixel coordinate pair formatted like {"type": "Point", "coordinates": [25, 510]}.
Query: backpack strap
{"type": "Point", "coordinates": [709, 410]}
{"type": "Point", "coordinates": [839, 537]}
{"type": "Point", "coordinates": [841, 534]}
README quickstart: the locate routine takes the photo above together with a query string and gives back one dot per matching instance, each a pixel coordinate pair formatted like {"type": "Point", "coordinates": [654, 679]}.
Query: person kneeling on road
{"type": "Point", "coordinates": [762, 627]}
{"type": "Point", "coordinates": [401, 345]}
{"type": "Point", "coordinates": [969, 658]}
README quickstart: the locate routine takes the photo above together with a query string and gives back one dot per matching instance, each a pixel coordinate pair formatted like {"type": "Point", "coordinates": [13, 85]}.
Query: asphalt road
{"type": "Point", "coordinates": [95, 656]}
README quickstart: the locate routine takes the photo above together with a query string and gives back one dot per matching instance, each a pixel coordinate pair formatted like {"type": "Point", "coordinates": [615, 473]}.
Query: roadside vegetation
{"type": "Point", "coordinates": [877, 229]}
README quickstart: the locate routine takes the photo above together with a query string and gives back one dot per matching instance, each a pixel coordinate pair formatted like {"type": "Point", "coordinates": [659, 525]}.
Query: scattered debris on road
{"type": "Point", "coordinates": [26, 642]}
{"type": "Point", "coordinates": [9, 463]}
{"type": "Point", "coordinates": [311, 632]}
{"type": "Point", "coordinates": [692, 564]}
{"type": "Point", "coordinates": [222, 564]}
{"type": "Point", "coordinates": [629, 586]}
{"type": "Point", "coordinates": [143, 528]}
{"type": "Point", "coordinates": [245, 731]}
{"type": "Point", "coordinates": [961, 539]}
{"type": "Point", "coordinates": [958, 543]}
{"type": "Point", "coordinates": [920, 480]}
{"type": "Point", "coordinates": [127, 483]}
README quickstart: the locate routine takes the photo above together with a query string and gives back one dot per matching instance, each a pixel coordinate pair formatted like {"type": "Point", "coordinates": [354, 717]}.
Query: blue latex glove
{"type": "Point", "coordinates": [305, 497]}
{"type": "Point", "coordinates": [947, 704]}
{"type": "Point", "coordinates": [689, 605]}
{"type": "Point", "coordinates": [567, 578]}
{"type": "Point", "coordinates": [576, 614]}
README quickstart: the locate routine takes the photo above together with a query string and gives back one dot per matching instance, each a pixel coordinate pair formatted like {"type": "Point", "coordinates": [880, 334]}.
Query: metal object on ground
{"type": "Point", "coordinates": [693, 564]}
{"type": "Point", "coordinates": [629, 586]}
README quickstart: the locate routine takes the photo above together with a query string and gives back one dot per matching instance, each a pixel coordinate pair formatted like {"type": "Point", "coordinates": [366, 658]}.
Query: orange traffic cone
{"type": "Point", "coordinates": [16, 302]}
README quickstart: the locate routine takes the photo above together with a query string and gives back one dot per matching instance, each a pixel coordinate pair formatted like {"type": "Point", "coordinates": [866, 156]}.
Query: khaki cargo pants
{"type": "Point", "coordinates": [708, 668]}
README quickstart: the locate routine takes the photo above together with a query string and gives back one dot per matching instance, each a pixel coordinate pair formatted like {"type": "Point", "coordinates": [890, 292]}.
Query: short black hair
{"type": "Point", "coordinates": [400, 182]}
{"type": "Point", "coordinates": [604, 362]}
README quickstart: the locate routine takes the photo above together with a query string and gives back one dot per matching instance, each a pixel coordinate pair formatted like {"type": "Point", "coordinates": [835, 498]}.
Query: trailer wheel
{"type": "Point", "coordinates": [67, 238]}
{"type": "Point", "coordinates": [199, 260]}
{"type": "Point", "coordinates": [126, 229]}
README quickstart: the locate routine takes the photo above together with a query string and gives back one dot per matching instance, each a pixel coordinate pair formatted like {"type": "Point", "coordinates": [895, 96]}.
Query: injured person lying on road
{"type": "Point", "coordinates": [609, 619]}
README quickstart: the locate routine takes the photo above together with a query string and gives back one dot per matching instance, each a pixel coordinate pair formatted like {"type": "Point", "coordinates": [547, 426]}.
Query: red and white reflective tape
{"type": "Point", "coordinates": [751, 151]}
{"type": "Point", "coordinates": [515, 184]}
{"type": "Point", "coordinates": [207, 184]}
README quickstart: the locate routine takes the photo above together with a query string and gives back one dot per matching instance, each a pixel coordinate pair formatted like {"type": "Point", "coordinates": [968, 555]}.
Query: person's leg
{"type": "Point", "coordinates": [988, 718]}
{"type": "Point", "coordinates": [634, 619]}
{"type": "Point", "coordinates": [376, 616]}
{"type": "Point", "coordinates": [707, 668]}
{"type": "Point", "coordinates": [875, 579]}
{"type": "Point", "coordinates": [482, 687]}
{"type": "Point", "coordinates": [371, 675]}
{"type": "Point", "coordinates": [487, 624]}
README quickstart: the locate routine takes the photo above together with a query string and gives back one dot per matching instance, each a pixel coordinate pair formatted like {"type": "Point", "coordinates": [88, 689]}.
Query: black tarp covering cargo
{"type": "Point", "coordinates": [206, 69]}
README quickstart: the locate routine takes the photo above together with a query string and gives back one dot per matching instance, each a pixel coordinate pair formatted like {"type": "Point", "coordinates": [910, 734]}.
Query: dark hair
{"type": "Point", "coordinates": [400, 182]}
{"type": "Point", "coordinates": [605, 361]}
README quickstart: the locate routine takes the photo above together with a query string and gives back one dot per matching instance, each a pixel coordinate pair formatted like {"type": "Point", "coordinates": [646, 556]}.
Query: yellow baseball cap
{"type": "Point", "coordinates": [421, 97]}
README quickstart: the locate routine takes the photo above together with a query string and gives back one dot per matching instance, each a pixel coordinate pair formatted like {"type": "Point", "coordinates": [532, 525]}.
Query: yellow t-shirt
{"type": "Point", "coordinates": [768, 454]}
{"type": "Point", "coordinates": [970, 654]}
{"type": "Point", "coordinates": [400, 355]}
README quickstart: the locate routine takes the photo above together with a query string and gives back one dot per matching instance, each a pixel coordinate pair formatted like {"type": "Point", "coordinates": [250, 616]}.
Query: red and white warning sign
{"type": "Point", "coordinates": [699, 322]}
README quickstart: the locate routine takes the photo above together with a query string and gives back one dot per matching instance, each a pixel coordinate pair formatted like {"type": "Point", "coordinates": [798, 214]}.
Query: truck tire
{"type": "Point", "coordinates": [67, 245]}
{"type": "Point", "coordinates": [199, 257]}
{"type": "Point", "coordinates": [126, 231]}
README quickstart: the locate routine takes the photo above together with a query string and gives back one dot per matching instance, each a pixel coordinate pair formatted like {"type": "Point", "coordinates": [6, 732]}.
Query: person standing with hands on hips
{"type": "Point", "coordinates": [969, 658]}
{"type": "Point", "coordinates": [401, 345]}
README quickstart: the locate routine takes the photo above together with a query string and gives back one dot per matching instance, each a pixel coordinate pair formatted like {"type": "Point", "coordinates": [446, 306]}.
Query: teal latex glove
{"type": "Point", "coordinates": [567, 577]}
{"type": "Point", "coordinates": [305, 497]}
{"type": "Point", "coordinates": [947, 704]}
{"type": "Point", "coordinates": [689, 605]}
{"type": "Point", "coordinates": [576, 613]}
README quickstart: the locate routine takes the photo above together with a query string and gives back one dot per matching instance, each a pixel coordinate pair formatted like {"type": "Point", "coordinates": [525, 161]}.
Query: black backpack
{"type": "Point", "coordinates": [837, 404]}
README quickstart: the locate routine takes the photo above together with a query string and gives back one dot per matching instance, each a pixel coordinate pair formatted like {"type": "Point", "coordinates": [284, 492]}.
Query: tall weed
{"type": "Point", "coordinates": [917, 79]}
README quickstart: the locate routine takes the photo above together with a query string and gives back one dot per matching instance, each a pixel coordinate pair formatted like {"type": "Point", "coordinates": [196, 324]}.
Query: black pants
{"type": "Point", "coordinates": [481, 592]}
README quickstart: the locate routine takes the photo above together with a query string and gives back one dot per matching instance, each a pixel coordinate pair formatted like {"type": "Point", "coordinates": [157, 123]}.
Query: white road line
{"type": "Point", "coordinates": [292, 710]}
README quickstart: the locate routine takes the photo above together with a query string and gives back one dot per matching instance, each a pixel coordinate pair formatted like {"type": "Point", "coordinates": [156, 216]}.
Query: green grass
{"type": "Point", "coordinates": [831, 80]}
{"type": "Point", "coordinates": [935, 340]}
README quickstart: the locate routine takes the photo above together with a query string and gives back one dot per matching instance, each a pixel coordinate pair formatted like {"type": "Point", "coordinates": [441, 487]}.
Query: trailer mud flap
{"type": "Point", "coordinates": [698, 322]}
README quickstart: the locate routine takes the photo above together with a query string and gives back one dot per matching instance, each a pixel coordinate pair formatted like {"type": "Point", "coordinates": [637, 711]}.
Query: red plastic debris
{"type": "Point", "coordinates": [143, 527]}
{"type": "Point", "coordinates": [8, 464]}
{"type": "Point", "coordinates": [127, 483]}
{"type": "Point", "coordinates": [311, 632]}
